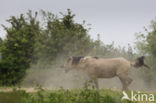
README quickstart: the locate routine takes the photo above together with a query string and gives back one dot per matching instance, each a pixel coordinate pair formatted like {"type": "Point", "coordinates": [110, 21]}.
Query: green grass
{"type": "Point", "coordinates": [63, 96]}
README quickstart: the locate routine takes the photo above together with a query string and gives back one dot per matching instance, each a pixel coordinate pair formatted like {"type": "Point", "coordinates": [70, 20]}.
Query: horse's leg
{"type": "Point", "coordinates": [96, 83]}
{"type": "Point", "coordinates": [88, 81]}
{"type": "Point", "coordinates": [86, 84]}
{"type": "Point", "coordinates": [93, 82]}
{"type": "Point", "coordinates": [125, 80]}
{"type": "Point", "coordinates": [124, 85]}
{"type": "Point", "coordinates": [129, 80]}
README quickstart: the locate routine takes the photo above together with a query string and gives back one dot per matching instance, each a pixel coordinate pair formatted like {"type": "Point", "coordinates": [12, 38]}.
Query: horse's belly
{"type": "Point", "coordinates": [105, 73]}
{"type": "Point", "coordinates": [101, 72]}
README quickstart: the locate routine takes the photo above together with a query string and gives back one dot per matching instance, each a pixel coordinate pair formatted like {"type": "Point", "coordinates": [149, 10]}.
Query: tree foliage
{"type": "Point", "coordinates": [17, 48]}
{"type": "Point", "coordinates": [146, 42]}
{"type": "Point", "coordinates": [146, 45]}
{"type": "Point", "coordinates": [28, 40]}
{"type": "Point", "coordinates": [62, 36]}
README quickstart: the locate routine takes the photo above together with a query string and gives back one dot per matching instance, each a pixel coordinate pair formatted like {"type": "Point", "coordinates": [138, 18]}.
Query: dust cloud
{"type": "Point", "coordinates": [54, 77]}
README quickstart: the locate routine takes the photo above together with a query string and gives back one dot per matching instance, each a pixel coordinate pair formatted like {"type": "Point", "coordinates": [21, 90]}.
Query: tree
{"type": "Point", "coordinates": [146, 45]}
{"type": "Point", "coordinates": [27, 41]}
{"type": "Point", "coordinates": [17, 48]}
{"type": "Point", "coordinates": [62, 36]}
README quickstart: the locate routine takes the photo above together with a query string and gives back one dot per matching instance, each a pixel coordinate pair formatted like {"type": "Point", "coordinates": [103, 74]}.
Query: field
{"type": "Point", "coordinates": [40, 95]}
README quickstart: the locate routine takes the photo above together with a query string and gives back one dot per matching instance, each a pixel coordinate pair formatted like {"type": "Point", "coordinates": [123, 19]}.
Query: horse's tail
{"type": "Point", "coordinates": [139, 63]}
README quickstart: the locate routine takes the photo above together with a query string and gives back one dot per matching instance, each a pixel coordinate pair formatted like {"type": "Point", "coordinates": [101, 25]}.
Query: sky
{"type": "Point", "coordinates": [114, 20]}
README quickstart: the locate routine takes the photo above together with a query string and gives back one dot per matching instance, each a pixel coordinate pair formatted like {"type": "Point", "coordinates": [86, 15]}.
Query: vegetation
{"type": "Point", "coordinates": [146, 45]}
{"type": "Point", "coordinates": [63, 96]}
{"type": "Point", "coordinates": [27, 41]}
{"type": "Point", "coordinates": [16, 50]}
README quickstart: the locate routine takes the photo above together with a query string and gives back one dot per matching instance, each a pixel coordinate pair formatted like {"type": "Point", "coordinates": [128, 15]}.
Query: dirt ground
{"type": "Point", "coordinates": [29, 90]}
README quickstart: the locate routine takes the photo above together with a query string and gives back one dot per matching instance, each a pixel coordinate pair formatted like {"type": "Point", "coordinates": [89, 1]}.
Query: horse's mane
{"type": "Point", "coordinates": [76, 59]}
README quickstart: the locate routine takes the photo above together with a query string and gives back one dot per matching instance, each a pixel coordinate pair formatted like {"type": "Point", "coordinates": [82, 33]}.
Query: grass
{"type": "Point", "coordinates": [61, 96]}
{"type": "Point", "coordinates": [64, 96]}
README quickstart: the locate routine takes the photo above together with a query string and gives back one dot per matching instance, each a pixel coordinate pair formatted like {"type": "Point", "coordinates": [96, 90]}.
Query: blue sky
{"type": "Point", "coordinates": [114, 20]}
